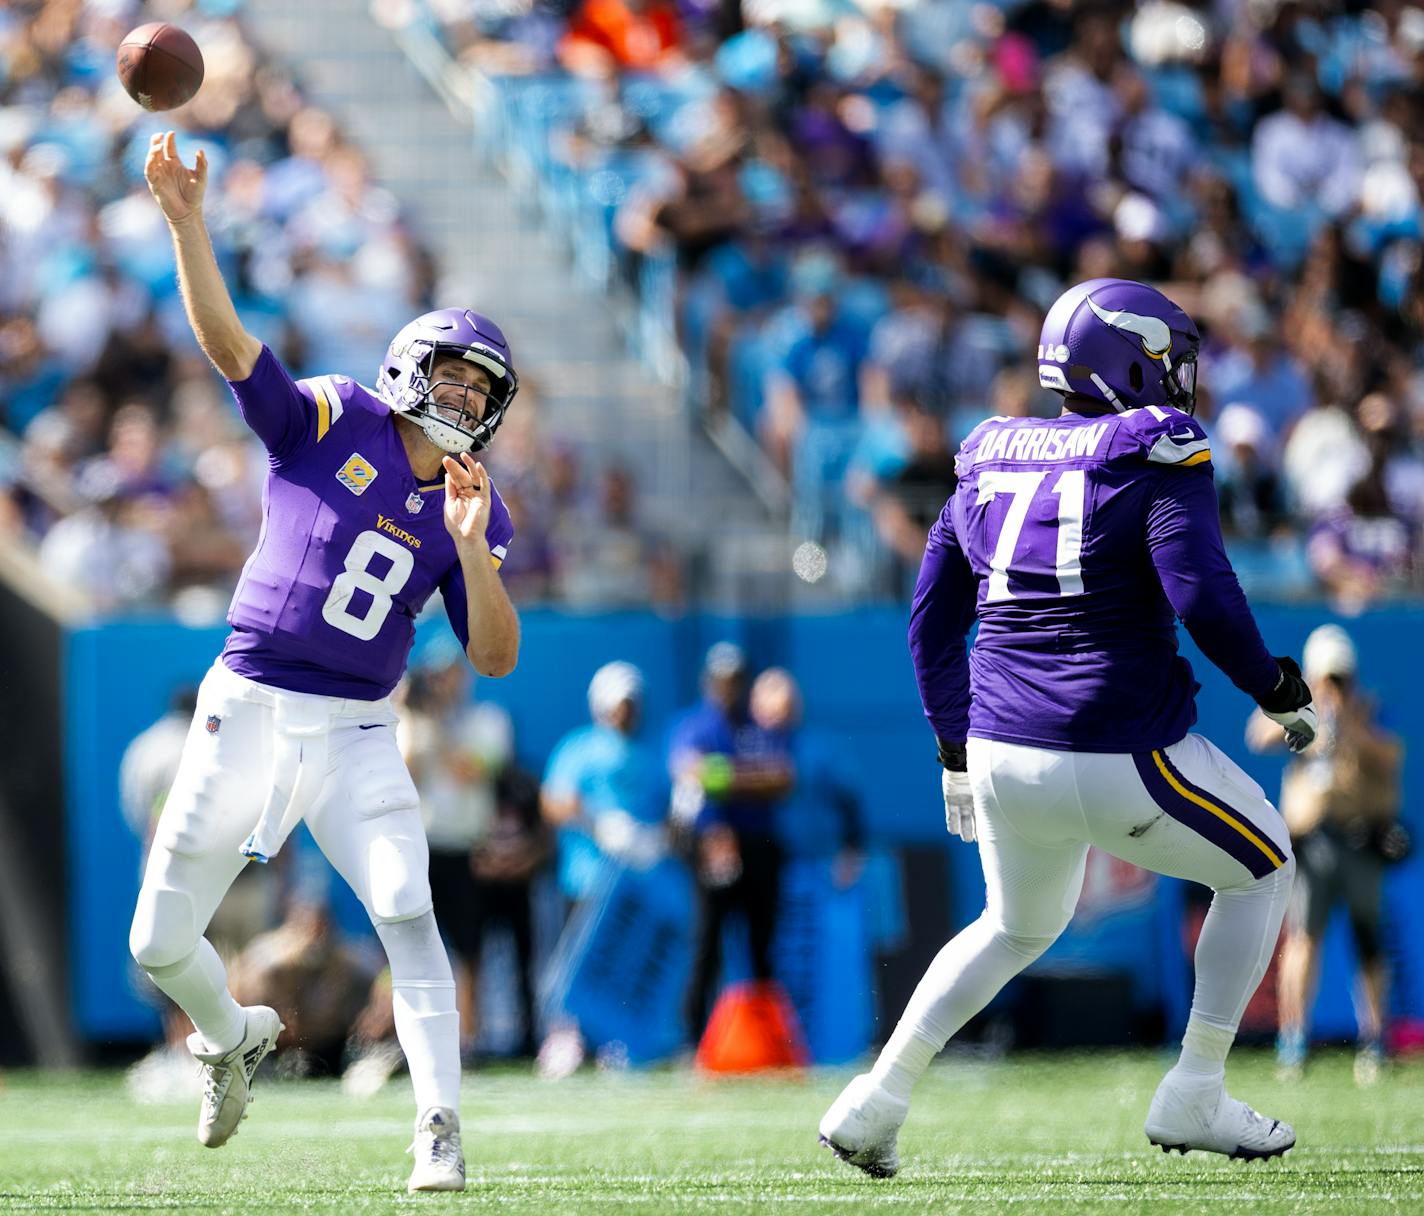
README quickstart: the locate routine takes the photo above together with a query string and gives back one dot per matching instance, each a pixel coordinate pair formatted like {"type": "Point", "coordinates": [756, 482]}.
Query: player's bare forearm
{"type": "Point", "coordinates": [558, 809]}
{"type": "Point", "coordinates": [493, 622]}
{"type": "Point", "coordinates": [233, 351]}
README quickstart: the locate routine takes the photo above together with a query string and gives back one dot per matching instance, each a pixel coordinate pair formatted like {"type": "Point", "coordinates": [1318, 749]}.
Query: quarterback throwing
{"type": "Point", "coordinates": [373, 501]}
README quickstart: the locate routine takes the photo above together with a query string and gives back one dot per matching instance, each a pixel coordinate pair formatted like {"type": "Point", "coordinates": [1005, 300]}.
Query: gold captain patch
{"type": "Point", "coordinates": [356, 474]}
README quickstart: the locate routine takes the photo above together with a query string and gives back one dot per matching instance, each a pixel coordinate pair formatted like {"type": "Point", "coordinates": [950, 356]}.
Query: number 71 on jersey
{"type": "Point", "coordinates": [1023, 487]}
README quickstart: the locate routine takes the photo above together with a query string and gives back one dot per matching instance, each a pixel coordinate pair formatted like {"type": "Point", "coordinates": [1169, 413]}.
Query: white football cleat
{"type": "Point", "coordinates": [861, 1127]}
{"type": "Point", "coordinates": [439, 1159]}
{"type": "Point", "coordinates": [227, 1076]}
{"type": "Point", "coordinates": [1187, 1114]}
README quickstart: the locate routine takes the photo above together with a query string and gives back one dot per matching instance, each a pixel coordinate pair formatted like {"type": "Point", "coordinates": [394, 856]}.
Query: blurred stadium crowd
{"type": "Point", "coordinates": [870, 206]}
{"type": "Point", "coordinates": [725, 794]}
{"type": "Point", "coordinates": [121, 457]}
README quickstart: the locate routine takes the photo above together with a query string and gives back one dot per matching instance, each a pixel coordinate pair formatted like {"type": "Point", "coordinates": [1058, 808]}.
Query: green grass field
{"type": "Point", "coordinates": [1029, 1134]}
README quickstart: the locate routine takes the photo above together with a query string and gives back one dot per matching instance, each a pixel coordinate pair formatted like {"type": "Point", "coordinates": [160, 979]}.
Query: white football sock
{"type": "Point", "coordinates": [1204, 1049]}
{"type": "Point", "coordinates": [964, 977]}
{"type": "Point", "coordinates": [198, 986]}
{"type": "Point", "coordinates": [427, 1021]}
{"type": "Point", "coordinates": [1237, 941]}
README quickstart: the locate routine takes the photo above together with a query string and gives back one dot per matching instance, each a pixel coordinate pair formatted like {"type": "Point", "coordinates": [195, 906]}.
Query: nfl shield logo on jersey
{"type": "Point", "coordinates": [414, 502]}
{"type": "Point", "coordinates": [356, 474]}
{"type": "Point", "coordinates": [213, 724]}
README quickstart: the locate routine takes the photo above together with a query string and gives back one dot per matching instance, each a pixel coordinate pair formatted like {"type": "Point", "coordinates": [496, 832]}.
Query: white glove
{"type": "Point", "coordinates": [1300, 725]}
{"type": "Point", "coordinates": [958, 805]}
{"type": "Point", "coordinates": [621, 837]}
{"type": "Point", "coordinates": [614, 832]}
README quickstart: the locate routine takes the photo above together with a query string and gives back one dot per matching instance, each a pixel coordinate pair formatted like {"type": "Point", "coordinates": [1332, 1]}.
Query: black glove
{"type": "Point", "coordinates": [1289, 703]}
{"type": "Point", "coordinates": [1290, 692]}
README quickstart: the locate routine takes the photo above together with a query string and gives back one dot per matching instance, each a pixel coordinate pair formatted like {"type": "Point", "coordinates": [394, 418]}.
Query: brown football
{"type": "Point", "coordinates": [159, 66]}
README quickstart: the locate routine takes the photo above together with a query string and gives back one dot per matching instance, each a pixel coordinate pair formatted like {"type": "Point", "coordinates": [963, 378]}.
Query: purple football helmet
{"type": "Point", "coordinates": [404, 381]}
{"type": "Point", "coordinates": [1122, 343]}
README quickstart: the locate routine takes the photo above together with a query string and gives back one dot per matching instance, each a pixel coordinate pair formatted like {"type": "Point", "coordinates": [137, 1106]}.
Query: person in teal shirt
{"type": "Point", "coordinates": [606, 791]}
{"type": "Point", "coordinates": [605, 787]}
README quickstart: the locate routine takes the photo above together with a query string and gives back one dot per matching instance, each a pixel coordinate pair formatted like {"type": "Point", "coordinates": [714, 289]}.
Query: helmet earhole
{"type": "Point", "coordinates": [1134, 376]}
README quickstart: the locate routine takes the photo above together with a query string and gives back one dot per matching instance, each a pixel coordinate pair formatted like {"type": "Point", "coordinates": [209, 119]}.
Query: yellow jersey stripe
{"type": "Point", "coordinates": [323, 411]}
{"type": "Point", "coordinates": [1199, 458]}
{"type": "Point", "coordinates": [333, 397]}
{"type": "Point", "coordinates": [1204, 803]}
{"type": "Point", "coordinates": [498, 562]}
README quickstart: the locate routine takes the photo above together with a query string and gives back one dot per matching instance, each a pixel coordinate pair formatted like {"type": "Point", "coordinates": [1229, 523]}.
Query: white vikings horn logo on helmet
{"type": "Point", "coordinates": [1154, 332]}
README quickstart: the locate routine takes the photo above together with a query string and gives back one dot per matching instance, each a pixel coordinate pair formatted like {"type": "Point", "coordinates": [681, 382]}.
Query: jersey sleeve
{"type": "Point", "coordinates": [500, 532]}
{"type": "Point", "coordinates": [1184, 540]}
{"type": "Point", "coordinates": [1164, 438]}
{"type": "Point", "coordinates": [288, 414]}
{"type": "Point", "coordinates": [964, 458]}
{"type": "Point", "coordinates": [940, 617]}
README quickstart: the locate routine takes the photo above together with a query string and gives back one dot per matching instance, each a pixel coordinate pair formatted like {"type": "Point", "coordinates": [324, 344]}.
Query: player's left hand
{"type": "Point", "coordinates": [958, 805]}
{"type": "Point", "coordinates": [467, 499]}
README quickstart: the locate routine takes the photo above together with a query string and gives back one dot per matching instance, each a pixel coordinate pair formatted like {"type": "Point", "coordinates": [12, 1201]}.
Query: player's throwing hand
{"type": "Point", "coordinates": [178, 189]}
{"type": "Point", "coordinates": [467, 498]}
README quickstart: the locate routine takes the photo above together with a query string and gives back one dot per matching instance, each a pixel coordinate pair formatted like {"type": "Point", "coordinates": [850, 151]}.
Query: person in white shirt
{"type": "Point", "coordinates": [1300, 155]}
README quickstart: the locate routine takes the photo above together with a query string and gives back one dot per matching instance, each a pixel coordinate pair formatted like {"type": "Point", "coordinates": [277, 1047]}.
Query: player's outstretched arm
{"type": "Point", "coordinates": [179, 192]}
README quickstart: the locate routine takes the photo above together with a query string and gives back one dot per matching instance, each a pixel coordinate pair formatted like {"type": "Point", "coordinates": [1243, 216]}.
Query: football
{"type": "Point", "coordinates": [159, 66]}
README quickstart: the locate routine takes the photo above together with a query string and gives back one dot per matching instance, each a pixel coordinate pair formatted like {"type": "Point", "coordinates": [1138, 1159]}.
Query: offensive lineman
{"type": "Point", "coordinates": [293, 720]}
{"type": "Point", "coordinates": [1076, 540]}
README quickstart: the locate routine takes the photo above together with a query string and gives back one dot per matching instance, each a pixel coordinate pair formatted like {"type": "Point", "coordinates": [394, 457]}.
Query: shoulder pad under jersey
{"type": "Point", "coordinates": [964, 458]}
{"type": "Point", "coordinates": [338, 397]}
{"type": "Point", "coordinates": [1162, 435]}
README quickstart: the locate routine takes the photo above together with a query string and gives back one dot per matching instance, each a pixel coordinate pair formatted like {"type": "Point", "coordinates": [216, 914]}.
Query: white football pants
{"type": "Point", "coordinates": [1186, 811]}
{"type": "Point", "coordinates": [365, 817]}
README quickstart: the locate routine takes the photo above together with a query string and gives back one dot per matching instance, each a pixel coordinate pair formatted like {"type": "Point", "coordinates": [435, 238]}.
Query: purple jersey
{"type": "Point", "coordinates": [352, 545]}
{"type": "Point", "coordinates": [1077, 541]}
